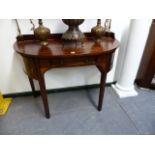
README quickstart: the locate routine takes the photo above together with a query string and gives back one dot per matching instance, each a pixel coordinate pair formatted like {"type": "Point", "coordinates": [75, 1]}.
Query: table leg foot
{"type": "Point", "coordinates": [99, 108]}
{"type": "Point", "coordinates": [47, 115]}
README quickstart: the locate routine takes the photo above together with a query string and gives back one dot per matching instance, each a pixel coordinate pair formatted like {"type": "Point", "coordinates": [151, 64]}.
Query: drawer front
{"type": "Point", "coordinates": [104, 61]}
{"type": "Point", "coordinates": [68, 62]}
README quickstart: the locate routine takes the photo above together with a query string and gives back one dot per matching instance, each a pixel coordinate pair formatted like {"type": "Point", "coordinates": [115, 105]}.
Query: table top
{"type": "Point", "coordinates": [28, 46]}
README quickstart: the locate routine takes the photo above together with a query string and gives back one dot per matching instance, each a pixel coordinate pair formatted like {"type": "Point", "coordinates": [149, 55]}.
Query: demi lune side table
{"type": "Point", "coordinates": [39, 59]}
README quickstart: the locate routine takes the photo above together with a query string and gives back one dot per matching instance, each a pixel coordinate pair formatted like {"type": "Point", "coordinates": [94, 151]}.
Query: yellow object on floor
{"type": "Point", "coordinates": [4, 104]}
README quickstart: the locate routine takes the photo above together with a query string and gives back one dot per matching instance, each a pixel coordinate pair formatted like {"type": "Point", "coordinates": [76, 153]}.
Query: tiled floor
{"type": "Point", "coordinates": [74, 112]}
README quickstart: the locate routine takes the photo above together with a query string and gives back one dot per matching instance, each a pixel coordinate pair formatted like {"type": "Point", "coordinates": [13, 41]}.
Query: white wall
{"type": "Point", "coordinates": [12, 77]}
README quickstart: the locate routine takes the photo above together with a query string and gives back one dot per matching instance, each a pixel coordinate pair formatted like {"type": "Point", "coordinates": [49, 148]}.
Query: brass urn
{"type": "Point", "coordinates": [73, 33]}
{"type": "Point", "coordinates": [42, 33]}
{"type": "Point", "coordinates": [98, 31]}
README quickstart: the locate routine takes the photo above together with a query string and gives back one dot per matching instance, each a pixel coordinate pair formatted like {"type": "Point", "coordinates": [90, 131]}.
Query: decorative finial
{"type": "Point", "coordinates": [98, 21]}
{"type": "Point", "coordinates": [40, 21]}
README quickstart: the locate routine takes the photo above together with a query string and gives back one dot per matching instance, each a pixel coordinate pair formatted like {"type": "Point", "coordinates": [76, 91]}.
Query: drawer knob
{"type": "Point", "coordinates": [72, 52]}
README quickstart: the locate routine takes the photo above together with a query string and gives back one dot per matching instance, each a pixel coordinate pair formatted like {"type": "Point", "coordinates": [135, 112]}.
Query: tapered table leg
{"type": "Point", "coordinates": [102, 88]}
{"type": "Point", "coordinates": [44, 96]}
{"type": "Point", "coordinates": [32, 86]}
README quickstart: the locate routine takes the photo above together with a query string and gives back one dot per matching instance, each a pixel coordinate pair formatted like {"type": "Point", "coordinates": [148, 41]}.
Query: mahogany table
{"type": "Point", "coordinates": [38, 59]}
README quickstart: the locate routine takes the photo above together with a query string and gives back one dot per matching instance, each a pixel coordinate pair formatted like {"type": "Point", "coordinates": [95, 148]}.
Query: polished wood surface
{"type": "Point", "coordinates": [57, 48]}
{"type": "Point", "coordinates": [39, 59]}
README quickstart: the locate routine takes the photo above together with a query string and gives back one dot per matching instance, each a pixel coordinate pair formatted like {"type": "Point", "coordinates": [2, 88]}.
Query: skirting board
{"type": "Point", "coordinates": [13, 95]}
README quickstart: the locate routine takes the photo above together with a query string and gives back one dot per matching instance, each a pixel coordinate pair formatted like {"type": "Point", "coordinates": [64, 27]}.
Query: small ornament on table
{"type": "Point", "coordinates": [73, 33]}
{"type": "Point", "coordinates": [41, 33]}
{"type": "Point", "coordinates": [73, 36]}
{"type": "Point", "coordinates": [107, 26]}
{"type": "Point", "coordinates": [98, 31]}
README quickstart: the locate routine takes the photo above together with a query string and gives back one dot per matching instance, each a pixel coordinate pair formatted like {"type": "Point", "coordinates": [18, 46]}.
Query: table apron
{"type": "Point", "coordinates": [104, 61]}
